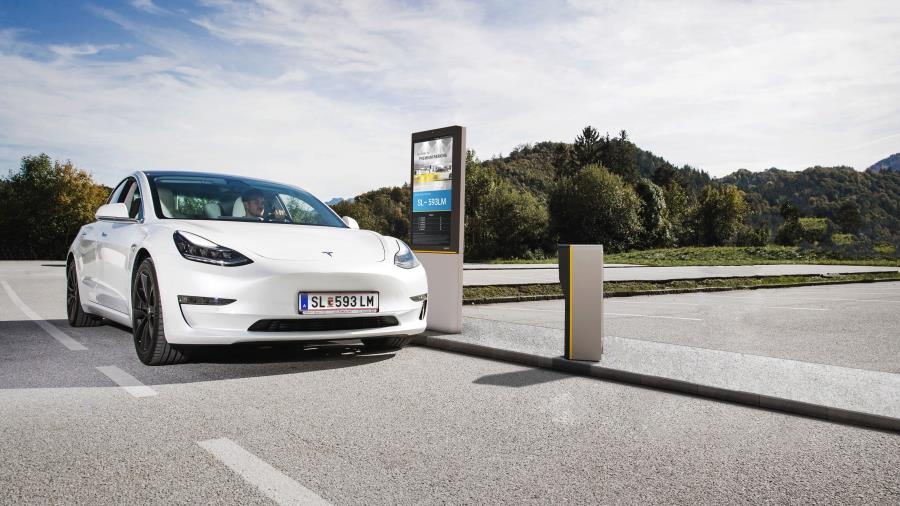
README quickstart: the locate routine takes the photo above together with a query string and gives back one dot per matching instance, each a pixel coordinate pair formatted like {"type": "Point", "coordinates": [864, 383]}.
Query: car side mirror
{"type": "Point", "coordinates": [116, 211]}
{"type": "Point", "coordinates": [350, 222]}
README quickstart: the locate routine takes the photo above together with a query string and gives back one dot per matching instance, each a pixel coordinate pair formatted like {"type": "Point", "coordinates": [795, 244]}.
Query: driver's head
{"type": "Point", "coordinates": [254, 202]}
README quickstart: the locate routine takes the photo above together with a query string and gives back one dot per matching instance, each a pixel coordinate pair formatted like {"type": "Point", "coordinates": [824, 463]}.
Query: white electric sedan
{"type": "Point", "coordinates": [194, 259]}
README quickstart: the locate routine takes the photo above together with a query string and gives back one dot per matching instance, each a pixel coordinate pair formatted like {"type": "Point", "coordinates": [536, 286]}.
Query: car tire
{"type": "Point", "coordinates": [75, 313]}
{"type": "Point", "coordinates": [147, 324]}
{"type": "Point", "coordinates": [386, 343]}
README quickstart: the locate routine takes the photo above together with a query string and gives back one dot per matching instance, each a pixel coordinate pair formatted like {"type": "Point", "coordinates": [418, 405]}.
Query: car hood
{"type": "Point", "coordinates": [280, 241]}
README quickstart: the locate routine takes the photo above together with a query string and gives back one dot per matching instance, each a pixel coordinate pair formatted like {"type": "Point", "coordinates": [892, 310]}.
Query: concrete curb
{"type": "Point", "coordinates": [634, 293]}
{"type": "Point", "coordinates": [645, 380]}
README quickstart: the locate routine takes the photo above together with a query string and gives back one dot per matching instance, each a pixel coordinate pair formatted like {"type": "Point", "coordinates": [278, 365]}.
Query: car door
{"type": "Point", "coordinates": [86, 261]}
{"type": "Point", "coordinates": [88, 251]}
{"type": "Point", "coordinates": [118, 243]}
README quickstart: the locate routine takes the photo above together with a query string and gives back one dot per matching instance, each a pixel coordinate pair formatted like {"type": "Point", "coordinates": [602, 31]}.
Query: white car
{"type": "Point", "coordinates": [198, 259]}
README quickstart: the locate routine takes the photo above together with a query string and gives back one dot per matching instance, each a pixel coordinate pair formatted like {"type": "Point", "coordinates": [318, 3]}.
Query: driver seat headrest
{"type": "Point", "coordinates": [238, 210]}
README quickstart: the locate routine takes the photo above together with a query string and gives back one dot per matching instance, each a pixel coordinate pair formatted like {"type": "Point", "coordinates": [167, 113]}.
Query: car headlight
{"type": "Point", "coordinates": [193, 247]}
{"type": "Point", "coordinates": [405, 257]}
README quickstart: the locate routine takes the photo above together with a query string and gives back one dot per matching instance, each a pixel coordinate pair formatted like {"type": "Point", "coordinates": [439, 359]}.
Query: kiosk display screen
{"type": "Point", "coordinates": [432, 193]}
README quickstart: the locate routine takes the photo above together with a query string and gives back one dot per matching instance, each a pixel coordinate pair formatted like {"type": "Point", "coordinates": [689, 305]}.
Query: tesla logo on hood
{"type": "Point", "coordinates": [329, 253]}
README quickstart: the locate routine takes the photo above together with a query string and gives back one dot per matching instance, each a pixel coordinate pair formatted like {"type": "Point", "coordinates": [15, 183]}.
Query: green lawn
{"type": "Point", "coordinates": [727, 255]}
{"type": "Point", "coordinates": [554, 289]}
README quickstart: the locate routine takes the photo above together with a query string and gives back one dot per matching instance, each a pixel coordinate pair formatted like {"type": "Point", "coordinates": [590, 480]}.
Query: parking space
{"type": "Point", "coordinates": [257, 425]}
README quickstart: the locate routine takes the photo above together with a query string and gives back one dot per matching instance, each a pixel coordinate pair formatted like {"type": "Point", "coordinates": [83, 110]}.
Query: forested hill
{"type": "Point", "coordinates": [535, 166]}
{"type": "Point", "coordinates": [890, 163]}
{"type": "Point", "coordinates": [823, 192]}
{"type": "Point", "coordinates": [605, 189]}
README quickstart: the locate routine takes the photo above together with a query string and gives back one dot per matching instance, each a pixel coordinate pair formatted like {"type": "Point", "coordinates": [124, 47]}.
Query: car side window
{"type": "Point", "coordinates": [131, 197]}
{"type": "Point", "coordinates": [117, 191]}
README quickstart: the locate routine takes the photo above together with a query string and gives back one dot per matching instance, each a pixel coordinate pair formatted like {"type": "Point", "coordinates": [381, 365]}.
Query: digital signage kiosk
{"type": "Point", "coordinates": [437, 174]}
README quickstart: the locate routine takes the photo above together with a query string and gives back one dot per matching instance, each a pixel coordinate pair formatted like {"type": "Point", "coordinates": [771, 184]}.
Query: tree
{"type": "Point", "coordinates": [385, 210]}
{"type": "Point", "coordinates": [849, 218]}
{"type": "Point", "coordinates": [664, 175]}
{"type": "Point", "coordinates": [789, 211]}
{"type": "Point", "coordinates": [681, 207]}
{"type": "Point", "coordinates": [619, 155]}
{"type": "Point", "coordinates": [502, 221]}
{"type": "Point", "coordinates": [588, 149]}
{"type": "Point", "coordinates": [720, 214]}
{"type": "Point", "coordinates": [43, 205]}
{"type": "Point", "coordinates": [595, 207]}
{"type": "Point", "coordinates": [654, 215]}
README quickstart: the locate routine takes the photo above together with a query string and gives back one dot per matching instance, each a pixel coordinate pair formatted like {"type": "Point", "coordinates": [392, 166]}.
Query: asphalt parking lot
{"type": "Point", "coordinates": [256, 425]}
{"type": "Point", "coordinates": [850, 325]}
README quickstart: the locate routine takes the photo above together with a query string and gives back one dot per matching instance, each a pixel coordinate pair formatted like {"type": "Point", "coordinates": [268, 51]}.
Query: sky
{"type": "Point", "coordinates": [325, 94]}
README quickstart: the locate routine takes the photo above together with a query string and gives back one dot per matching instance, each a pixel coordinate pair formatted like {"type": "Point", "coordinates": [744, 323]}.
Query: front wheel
{"type": "Point", "coordinates": [386, 343]}
{"type": "Point", "coordinates": [76, 315]}
{"type": "Point", "coordinates": [147, 320]}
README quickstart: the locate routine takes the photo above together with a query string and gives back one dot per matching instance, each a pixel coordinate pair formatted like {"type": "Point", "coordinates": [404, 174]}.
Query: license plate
{"type": "Point", "coordinates": [338, 302]}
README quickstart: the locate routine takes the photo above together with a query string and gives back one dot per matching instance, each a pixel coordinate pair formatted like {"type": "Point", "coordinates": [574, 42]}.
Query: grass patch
{"type": "Point", "coordinates": [729, 255]}
{"type": "Point", "coordinates": [471, 293]}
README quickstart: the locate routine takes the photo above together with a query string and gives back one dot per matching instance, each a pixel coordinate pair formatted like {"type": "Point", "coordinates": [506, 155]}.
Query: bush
{"type": "Point", "coordinates": [502, 221]}
{"type": "Point", "coordinates": [42, 207]}
{"type": "Point", "coordinates": [654, 216]}
{"type": "Point", "coordinates": [595, 207]}
{"type": "Point", "coordinates": [749, 236]}
{"type": "Point", "coordinates": [720, 214]}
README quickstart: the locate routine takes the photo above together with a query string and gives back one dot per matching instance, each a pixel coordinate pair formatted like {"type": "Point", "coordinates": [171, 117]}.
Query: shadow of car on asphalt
{"type": "Point", "coordinates": [44, 363]}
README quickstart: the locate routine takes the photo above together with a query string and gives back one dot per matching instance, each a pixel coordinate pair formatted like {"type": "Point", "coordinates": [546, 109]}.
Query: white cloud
{"type": "Point", "coordinates": [148, 6]}
{"type": "Point", "coordinates": [325, 94]}
{"type": "Point", "coordinates": [79, 50]}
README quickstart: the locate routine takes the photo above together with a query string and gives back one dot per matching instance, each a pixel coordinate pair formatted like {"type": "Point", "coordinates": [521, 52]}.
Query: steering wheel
{"type": "Point", "coordinates": [272, 216]}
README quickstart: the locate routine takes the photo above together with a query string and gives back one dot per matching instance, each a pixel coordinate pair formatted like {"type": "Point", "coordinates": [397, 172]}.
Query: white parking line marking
{"type": "Point", "coordinates": [49, 328]}
{"type": "Point", "coordinates": [128, 382]}
{"type": "Point", "coordinates": [796, 308]}
{"type": "Point", "coordinates": [270, 481]}
{"type": "Point", "coordinates": [692, 304]}
{"type": "Point", "coordinates": [655, 316]}
{"type": "Point", "coordinates": [801, 297]}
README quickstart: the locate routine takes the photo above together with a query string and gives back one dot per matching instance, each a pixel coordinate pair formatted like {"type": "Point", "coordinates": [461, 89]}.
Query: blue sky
{"type": "Point", "coordinates": [324, 94]}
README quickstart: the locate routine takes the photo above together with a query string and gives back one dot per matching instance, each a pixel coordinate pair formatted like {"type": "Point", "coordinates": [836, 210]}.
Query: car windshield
{"type": "Point", "coordinates": [200, 197]}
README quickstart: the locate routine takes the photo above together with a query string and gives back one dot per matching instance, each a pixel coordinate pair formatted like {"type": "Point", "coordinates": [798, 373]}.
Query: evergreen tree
{"type": "Point", "coordinates": [664, 174]}
{"type": "Point", "coordinates": [587, 149]}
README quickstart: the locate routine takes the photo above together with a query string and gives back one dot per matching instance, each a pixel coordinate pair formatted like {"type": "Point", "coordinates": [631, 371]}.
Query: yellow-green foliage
{"type": "Point", "coordinates": [813, 228]}
{"type": "Point", "coordinates": [43, 205]}
{"type": "Point", "coordinates": [885, 249]}
{"type": "Point", "coordinates": [842, 239]}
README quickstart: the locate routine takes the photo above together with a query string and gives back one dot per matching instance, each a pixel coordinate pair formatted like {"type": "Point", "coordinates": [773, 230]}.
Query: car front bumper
{"type": "Point", "coordinates": [269, 290]}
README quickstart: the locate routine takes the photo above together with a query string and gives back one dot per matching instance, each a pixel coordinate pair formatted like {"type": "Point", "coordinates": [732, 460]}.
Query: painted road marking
{"type": "Point", "coordinates": [694, 304]}
{"type": "Point", "coordinates": [801, 297]}
{"type": "Point", "coordinates": [49, 328]}
{"type": "Point", "coordinates": [654, 316]}
{"type": "Point", "coordinates": [270, 481]}
{"type": "Point", "coordinates": [796, 308]}
{"type": "Point", "coordinates": [128, 382]}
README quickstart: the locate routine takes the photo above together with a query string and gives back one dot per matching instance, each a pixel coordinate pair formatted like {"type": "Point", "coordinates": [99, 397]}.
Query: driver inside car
{"type": "Point", "coordinates": [255, 205]}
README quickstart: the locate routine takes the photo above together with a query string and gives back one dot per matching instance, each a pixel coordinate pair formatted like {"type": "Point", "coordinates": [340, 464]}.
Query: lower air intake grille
{"type": "Point", "coordinates": [323, 324]}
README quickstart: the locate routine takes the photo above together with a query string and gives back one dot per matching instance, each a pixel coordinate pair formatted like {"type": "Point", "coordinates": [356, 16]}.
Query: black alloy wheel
{"type": "Point", "coordinates": [76, 315]}
{"type": "Point", "coordinates": [147, 320]}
